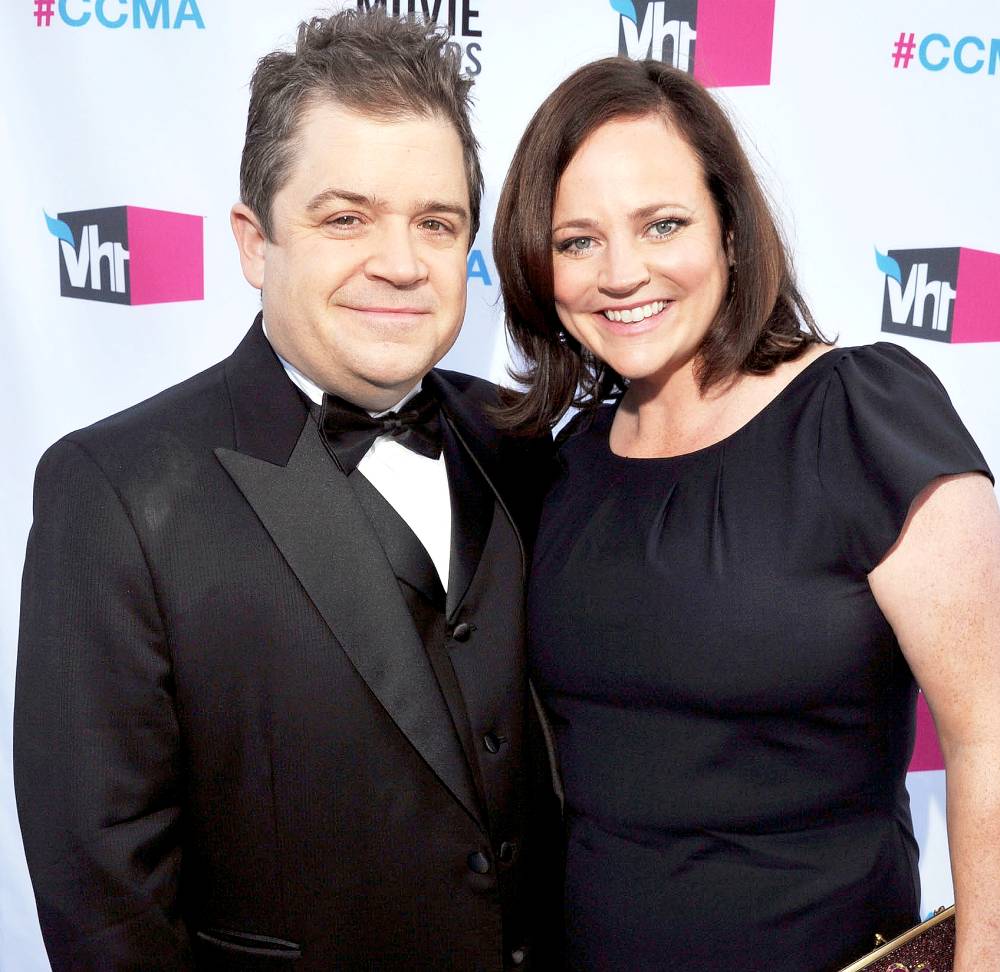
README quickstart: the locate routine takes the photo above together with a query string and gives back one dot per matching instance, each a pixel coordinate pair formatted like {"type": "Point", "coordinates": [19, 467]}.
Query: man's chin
{"type": "Point", "coordinates": [384, 389]}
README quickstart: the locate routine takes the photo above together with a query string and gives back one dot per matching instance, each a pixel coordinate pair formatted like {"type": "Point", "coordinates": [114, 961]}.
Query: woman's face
{"type": "Point", "coordinates": [639, 266]}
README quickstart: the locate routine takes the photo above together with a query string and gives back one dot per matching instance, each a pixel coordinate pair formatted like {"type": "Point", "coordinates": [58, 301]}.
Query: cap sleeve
{"type": "Point", "coordinates": [887, 429]}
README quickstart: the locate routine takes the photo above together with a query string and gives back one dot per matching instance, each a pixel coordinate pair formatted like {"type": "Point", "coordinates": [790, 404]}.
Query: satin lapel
{"type": "Point", "coordinates": [472, 508]}
{"type": "Point", "coordinates": [268, 411]}
{"type": "Point", "coordinates": [474, 488]}
{"type": "Point", "coordinates": [407, 556]}
{"type": "Point", "coordinates": [314, 518]}
{"type": "Point", "coordinates": [468, 417]}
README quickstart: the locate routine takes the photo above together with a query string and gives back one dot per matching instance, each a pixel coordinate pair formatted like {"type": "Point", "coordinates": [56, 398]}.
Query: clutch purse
{"type": "Point", "coordinates": [927, 947]}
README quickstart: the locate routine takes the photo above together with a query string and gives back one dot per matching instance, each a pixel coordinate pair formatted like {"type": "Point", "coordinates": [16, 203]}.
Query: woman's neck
{"type": "Point", "coordinates": [674, 416]}
{"type": "Point", "coordinates": [670, 417]}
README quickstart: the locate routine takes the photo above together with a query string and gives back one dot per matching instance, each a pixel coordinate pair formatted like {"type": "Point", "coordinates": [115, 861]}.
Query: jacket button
{"type": "Point", "coordinates": [507, 852]}
{"type": "Point", "coordinates": [479, 863]}
{"type": "Point", "coordinates": [461, 632]}
{"type": "Point", "coordinates": [517, 957]}
{"type": "Point", "coordinates": [492, 743]}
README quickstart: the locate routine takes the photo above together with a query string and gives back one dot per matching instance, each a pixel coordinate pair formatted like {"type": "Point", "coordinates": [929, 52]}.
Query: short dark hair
{"type": "Point", "coordinates": [365, 61]}
{"type": "Point", "coordinates": [763, 319]}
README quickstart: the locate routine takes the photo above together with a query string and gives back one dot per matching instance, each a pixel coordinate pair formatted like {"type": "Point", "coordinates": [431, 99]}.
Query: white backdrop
{"type": "Point", "coordinates": [864, 142]}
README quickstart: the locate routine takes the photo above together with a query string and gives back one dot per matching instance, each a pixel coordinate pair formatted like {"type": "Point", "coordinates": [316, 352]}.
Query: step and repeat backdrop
{"type": "Point", "coordinates": [874, 127]}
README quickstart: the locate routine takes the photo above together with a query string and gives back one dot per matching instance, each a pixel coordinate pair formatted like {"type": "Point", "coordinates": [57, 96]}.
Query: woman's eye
{"type": "Point", "coordinates": [579, 244]}
{"type": "Point", "coordinates": [664, 227]}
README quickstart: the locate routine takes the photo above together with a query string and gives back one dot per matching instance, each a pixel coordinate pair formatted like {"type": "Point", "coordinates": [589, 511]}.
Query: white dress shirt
{"type": "Point", "coordinates": [414, 485]}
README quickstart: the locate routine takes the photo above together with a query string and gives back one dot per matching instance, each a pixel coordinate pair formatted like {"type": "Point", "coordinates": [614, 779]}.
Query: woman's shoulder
{"type": "Point", "coordinates": [882, 359]}
{"type": "Point", "coordinates": [876, 393]}
{"type": "Point", "coordinates": [887, 428]}
{"type": "Point", "coordinates": [865, 362]}
{"type": "Point", "coordinates": [880, 378]}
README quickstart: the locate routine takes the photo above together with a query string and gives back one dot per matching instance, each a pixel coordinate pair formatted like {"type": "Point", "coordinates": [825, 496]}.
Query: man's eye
{"type": "Point", "coordinates": [344, 221]}
{"type": "Point", "coordinates": [435, 226]}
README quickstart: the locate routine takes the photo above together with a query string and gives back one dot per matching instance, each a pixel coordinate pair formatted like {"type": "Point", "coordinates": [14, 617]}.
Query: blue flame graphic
{"type": "Point", "coordinates": [888, 266]}
{"type": "Point", "coordinates": [625, 7]}
{"type": "Point", "coordinates": [60, 230]}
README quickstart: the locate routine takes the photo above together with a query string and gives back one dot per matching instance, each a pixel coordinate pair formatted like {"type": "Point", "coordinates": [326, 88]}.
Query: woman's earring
{"type": "Point", "coordinates": [561, 335]}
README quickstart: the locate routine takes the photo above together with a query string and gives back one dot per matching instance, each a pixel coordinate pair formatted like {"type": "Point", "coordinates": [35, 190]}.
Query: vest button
{"type": "Point", "coordinates": [507, 852]}
{"type": "Point", "coordinates": [462, 631]}
{"type": "Point", "coordinates": [518, 956]}
{"type": "Point", "coordinates": [478, 863]}
{"type": "Point", "coordinates": [492, 743]}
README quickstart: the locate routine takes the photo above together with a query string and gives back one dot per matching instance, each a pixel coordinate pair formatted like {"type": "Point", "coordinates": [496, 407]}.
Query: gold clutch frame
{"type": "Point", "coordinates": [943, 944]}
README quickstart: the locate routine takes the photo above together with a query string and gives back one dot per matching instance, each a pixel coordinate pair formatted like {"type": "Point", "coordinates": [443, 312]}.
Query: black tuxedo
{"type": "Point", "coordinates": [241, 740]}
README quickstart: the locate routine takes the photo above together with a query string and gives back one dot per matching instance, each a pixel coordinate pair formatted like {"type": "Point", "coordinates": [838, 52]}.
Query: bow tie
{"type": "Point", "coordinates": [350, 431]}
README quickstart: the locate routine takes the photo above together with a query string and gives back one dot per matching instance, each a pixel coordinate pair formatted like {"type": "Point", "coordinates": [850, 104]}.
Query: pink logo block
{"type": "Point", "coordinates": [927, 749]}
{"type": "Point", "coordinates": [166, 256]}
{"type": "Point", "coordinates": [977, 304]}
{"type": "Point", "coordinates": [735, 41]}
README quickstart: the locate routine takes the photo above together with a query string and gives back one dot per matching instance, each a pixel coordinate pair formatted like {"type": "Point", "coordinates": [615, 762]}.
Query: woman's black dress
{"type": "Point", "coordinates": [732, 712]}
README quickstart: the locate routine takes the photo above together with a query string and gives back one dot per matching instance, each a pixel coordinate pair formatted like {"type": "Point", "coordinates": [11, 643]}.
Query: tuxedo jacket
{"type": "Point", "coordinates": [232, 750]}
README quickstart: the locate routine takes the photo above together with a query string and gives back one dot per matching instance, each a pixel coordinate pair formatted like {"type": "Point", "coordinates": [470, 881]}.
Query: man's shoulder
{"type": "Point", "coordinates": [481, 401]}
{"type": "Point", "coordinates": [470, 386]}
{"type": "Point", "coordinates": [138, 444]}
{"type": "Point", "coordinates": [193, 408]}
{"type": "Point", "coordinates": [199, 409]}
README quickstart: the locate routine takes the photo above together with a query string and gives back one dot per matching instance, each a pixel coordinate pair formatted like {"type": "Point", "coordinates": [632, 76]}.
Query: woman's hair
{"type": "Point", "coordinates": [763, 319]}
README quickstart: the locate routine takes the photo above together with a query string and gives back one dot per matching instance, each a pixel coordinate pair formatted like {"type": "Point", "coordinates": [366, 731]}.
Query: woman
{"type": "Point", "coordinates": [743, 563]}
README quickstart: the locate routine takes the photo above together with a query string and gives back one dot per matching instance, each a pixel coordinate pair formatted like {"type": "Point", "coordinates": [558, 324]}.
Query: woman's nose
{"type": "Point", "coordinates": [624, 270]}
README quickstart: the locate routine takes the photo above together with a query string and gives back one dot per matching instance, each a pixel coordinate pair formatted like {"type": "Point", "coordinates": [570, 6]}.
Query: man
{"type": "Point", "coordinates": [271, 700]}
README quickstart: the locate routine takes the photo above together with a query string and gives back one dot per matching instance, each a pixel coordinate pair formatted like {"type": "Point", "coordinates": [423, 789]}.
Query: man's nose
{"type": "Point", "coordinates": [395, 257]}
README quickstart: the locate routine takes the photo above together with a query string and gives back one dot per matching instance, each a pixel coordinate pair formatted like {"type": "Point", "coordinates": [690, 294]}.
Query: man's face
{"type": "Point", "coordinates": [364, 282]}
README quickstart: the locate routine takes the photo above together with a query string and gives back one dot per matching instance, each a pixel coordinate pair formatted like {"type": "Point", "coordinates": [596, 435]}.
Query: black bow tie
{"type": "Point", "coordinates": [350, 431]}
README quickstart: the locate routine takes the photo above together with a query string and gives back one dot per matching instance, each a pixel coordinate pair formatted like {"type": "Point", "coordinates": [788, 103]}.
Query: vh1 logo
{"type": "Point", "coordinates": [723, 43]}
{"type": "Point", "coordinates": [130, 255]}
{"type": "Point", "coordinates": [948, 294]}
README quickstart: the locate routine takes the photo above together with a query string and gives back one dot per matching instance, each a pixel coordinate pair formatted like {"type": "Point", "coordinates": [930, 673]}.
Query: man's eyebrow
{"type": "Point", "coordinates": [441, 206]}
{"type": "Point", "coordinates": [333, 194]}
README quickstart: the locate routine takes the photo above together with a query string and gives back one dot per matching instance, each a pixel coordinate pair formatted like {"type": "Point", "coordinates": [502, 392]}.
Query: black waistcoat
{"type": "Point", "coordinates": [421, 587]}
{"type": "Point", "coordinates": [494, 728]}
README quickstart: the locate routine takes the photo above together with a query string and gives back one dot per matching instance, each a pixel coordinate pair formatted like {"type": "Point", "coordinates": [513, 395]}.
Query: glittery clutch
{"type": "Point", "coordinates": [927, 947]}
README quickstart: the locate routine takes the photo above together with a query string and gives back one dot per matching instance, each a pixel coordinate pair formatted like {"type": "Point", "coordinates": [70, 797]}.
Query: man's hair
{"type": "Point", "coordinates": [368, 62]}
{"type": "Point", "coordinates": [763, 319]}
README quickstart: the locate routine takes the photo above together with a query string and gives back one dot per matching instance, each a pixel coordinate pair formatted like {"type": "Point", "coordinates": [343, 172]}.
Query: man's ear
{"type": "Point", "coordinates": [251, 242]}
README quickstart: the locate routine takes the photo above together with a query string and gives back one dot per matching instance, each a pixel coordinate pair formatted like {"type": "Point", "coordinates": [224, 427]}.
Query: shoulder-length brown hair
{"type": "Point", "coordinates": [763, 319]}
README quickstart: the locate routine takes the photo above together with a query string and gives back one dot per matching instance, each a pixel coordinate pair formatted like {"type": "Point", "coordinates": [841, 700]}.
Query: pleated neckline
{"type": "Point", "coordinates": [607, 418]}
